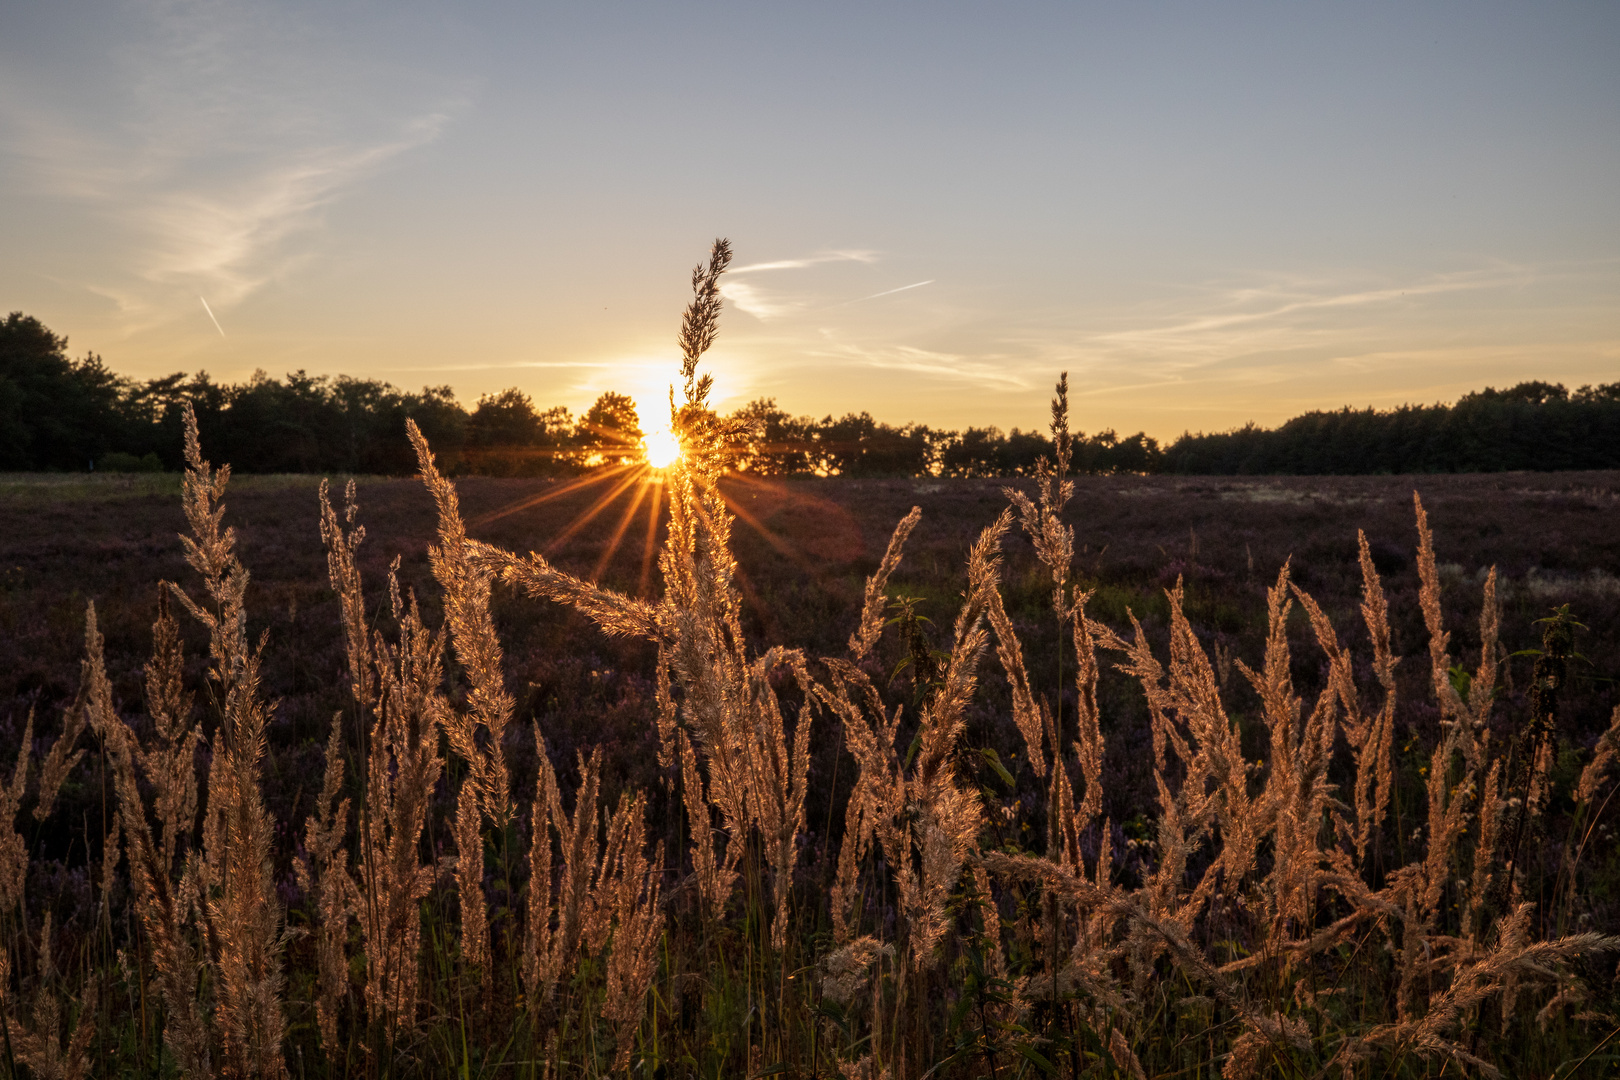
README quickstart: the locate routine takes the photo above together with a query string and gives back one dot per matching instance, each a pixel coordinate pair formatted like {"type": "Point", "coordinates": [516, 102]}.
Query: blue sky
{"type": "Point", "coordinates": [1205, 213]}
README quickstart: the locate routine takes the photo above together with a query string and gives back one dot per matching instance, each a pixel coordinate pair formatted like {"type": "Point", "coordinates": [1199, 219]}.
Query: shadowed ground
{"type": "Point", "coordinates": [804, 549]}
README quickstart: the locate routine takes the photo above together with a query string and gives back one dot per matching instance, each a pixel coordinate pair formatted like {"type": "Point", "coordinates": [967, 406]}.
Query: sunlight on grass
{"type": "Point", "coordinates": [974, 894]}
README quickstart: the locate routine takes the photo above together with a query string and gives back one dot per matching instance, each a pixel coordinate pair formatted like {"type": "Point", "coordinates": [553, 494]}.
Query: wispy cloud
{"type": "Point", "coordinates": [216, 134]}
{"type": "Point", "coordinates": [1239, 321]}
{"type": "Point", "coordinates": [1268, 349]}
{"type": "Point", "coordinates": [226, 234]}
{"type": "Point", "coordinates": [212, 317]}
{"type": "Point", "coordinates": [764, 303]}
{"type": "Point", "coordinates": [891, 292]}
{"type": "Point", "coordinates": [984, 371]}
{"type": "Point", "coordinates": [860, 256]}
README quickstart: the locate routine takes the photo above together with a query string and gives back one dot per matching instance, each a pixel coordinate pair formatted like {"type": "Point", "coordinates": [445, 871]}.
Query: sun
{"type": "Point", "coordinates": [662, 448]}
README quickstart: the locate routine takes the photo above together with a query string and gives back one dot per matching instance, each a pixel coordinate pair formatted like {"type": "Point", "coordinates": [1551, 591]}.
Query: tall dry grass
{"type": "Point", "coordinates": [1275, 921]}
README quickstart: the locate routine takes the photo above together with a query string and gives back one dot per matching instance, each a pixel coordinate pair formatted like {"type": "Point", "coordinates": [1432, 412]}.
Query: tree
{"type": "Point", "coordinates": [767, 441]}
{"type": "Point", "coordinates": [505, 419]}
{"type": "Point", "coordinates": [1531, 392]}
{"type": "Point", "coordinates": [976, 452]}
{"type": "Point", "coordinates": [55, 413]}
{"type": "Point", "coordinates": [1533, 425]}
{"type": "Point", "coordinates": [610, 431]}
{"type": "Point", "coordinates": [1604, 393]}
{"type": "Point", "coordinates": [1138, 454]}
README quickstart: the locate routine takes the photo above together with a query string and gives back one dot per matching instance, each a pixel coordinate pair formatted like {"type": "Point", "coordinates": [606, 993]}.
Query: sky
{"type": "Point", "coordinates": [1207, 214]}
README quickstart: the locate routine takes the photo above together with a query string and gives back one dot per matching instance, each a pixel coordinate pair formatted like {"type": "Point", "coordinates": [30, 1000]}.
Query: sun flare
{"type": "Point", "coordinates": [662, 447]}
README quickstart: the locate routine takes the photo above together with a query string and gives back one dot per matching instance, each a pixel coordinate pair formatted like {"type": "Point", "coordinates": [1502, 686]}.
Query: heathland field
{"type": "Point", "coordinates": [674, 773]}
{"type": "Point", "coordinates": [894, 892]}
{"type": "Point", "coordinates": [804, 549]}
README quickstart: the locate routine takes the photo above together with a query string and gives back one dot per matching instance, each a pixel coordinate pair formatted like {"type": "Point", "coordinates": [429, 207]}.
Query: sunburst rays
{"type": "Point", "coordinates": [631, 493]}
{"type": "Point", "coordinates": [745, 516]}
{"type": "Point", "coordinates": [650, 547]}
{"type": "Point", "coordinates": [590, 512]}
{"type": "Point", "coordinates": [623, 526]}
{"type": "Point", "coordinates": [519, 505]}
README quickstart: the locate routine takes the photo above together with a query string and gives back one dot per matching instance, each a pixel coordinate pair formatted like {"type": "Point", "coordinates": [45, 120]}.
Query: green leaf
{"type": "Point", "coordinates": [994, 759]}
{"type": "Point", "coordinates": [833, 1011]}
{"type": "Point", "coordinates": [1461, 680]}
{"type": "Point", "coordinates": [1035, 1058]}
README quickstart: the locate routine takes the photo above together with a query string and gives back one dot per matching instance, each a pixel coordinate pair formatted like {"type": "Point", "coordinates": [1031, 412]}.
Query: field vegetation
{"type": "Point", "coordinates": [687, 773]}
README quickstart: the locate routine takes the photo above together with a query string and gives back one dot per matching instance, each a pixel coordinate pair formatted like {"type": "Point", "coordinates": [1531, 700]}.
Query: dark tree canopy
{"type": "Point", "coordinates": [52, 409]}
{"type": "Point", "coordinates": [57, 413]}
{"type": "Point", "coordinates": [1532, 426]}
{"type": "Point", "coordinates": [610, 428]}
{"type": "Point", "coordinates": [505, 419]}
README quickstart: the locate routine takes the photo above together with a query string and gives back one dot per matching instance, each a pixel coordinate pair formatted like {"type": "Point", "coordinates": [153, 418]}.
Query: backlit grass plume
{"type": "Point", "coordinates": [898, 861]}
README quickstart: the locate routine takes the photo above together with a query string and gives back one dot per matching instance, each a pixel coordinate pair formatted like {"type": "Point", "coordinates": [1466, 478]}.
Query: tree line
{"type": "Point", "coordinates": [1534, 426]}
{"type": "Point", "coordinates": [59, 413]}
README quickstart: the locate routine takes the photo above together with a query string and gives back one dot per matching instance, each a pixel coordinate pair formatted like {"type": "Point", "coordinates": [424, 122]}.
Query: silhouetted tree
{"type": "Point", "coordinates": [505, 419]}
{"type": "Point", "coordinates": [975, 452]}
{"type": "Point", "coordinates": [610, 430]}
{"type": "Point", "coordinates": [55, 413]}
{"type": "Point", "coordinates": [1533, 426]}
{"type": "Point", "coordinates": [507, 436]}
{"type": "Point", "coordinates": [768, 441]}
{"type": "Point", "coordinates": [60, 413]}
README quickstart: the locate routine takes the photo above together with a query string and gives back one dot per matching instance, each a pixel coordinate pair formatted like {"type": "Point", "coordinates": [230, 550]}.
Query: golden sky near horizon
{"type": "Point", "coordinates": [1206, 214]}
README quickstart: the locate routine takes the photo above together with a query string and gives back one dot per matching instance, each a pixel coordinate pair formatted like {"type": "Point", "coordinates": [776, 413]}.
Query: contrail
{"type": "Point", "coordinates": [210, 311]}
{"type": "Point", "coordinates": [891, 292]}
